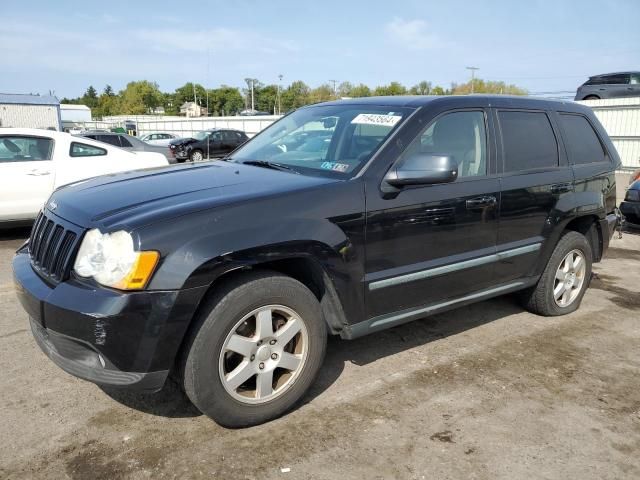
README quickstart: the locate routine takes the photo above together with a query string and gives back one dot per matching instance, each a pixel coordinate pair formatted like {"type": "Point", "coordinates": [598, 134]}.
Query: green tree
{"type": "Point", "coordinates": [225, 100]}
{"type": "Point", "coordinates": [394, 88]}
{"type": "Point", "coordinates": [295, 95]}
{"type": "Point", "coordinates": [488, 86]}
{"type": "Point", "coordinates": [422, 88]}
{"type": "Point", "coordinates": [108, 91]}
{"type": "Point", "coordinates": [360, 90]}
{"type": "Point", "coordinates": [190, 91]}
{"type": "Point", "coordinates": [90, 97]}
{"type": "Point", "coordinates": [140, 97]}
{"type": "Point", "coordinates": [266, 97]}
{"type": "Point", "coordinates": [323, 93]}
{"type": "Point", "coordinates": [438, 90]}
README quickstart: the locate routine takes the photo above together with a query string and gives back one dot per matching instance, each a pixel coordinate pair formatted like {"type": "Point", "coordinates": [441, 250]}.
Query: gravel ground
{"type": "Point", "coordinates": [484, 392]}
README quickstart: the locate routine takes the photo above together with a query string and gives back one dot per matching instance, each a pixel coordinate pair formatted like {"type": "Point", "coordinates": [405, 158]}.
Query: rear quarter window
{"type": "Point", "coordinates": [583, 144]}
{"type": "Point", "coordinates": [528, 141]}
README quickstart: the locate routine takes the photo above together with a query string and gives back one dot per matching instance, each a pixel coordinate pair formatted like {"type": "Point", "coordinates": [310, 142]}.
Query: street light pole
{"type": "Point", "coordinates": [473, 77]}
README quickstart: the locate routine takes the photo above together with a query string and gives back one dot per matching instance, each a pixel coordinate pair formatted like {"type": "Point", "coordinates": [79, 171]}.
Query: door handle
{"type": "Point", "coordinates": [562, 188]}
{"type": "Point", "coordinates": [38, 173]}
{"type": "Point", "coordinates": [481, 202]}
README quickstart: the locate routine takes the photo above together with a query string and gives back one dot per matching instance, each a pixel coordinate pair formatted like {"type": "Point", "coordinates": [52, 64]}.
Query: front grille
{"type": "Point", "coordinates": [51, 248]}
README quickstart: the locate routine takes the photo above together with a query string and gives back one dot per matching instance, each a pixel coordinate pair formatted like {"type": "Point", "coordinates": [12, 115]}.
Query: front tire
{"type": "Point", "coordinates": [196, 156]}
{"type": "Point", "coordinates": [565, 278]}
{"type": "Point", "coordinates": [256, 349]}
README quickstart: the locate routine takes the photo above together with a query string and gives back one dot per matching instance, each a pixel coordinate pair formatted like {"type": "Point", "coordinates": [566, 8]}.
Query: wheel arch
{"type": "Point", "coordinates": [589, 227]}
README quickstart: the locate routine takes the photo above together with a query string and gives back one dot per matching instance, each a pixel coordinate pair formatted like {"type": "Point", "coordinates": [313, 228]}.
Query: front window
{"type": "Point", "coordinates": [25, 149]}
{"type": "Point", "coordinates": [201, 135]}
{"type": "Point", "coordinates": [329, 140]}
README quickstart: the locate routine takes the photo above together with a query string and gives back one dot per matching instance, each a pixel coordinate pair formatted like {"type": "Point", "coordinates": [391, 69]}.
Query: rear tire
{"type": "Point", "coordinates": [279, 352]}
{"type": "Point", "coordinates": [592, 97]}
{"type": "Point", "coordinates": [565, 278]}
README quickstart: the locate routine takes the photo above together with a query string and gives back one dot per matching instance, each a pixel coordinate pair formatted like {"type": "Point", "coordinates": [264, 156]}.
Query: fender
{"type": "Point", "coordinates": [197, 249]}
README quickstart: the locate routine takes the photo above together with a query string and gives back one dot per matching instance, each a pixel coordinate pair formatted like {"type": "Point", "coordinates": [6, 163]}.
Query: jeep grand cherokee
{"type": "Point", "coordinates": [230, 274]}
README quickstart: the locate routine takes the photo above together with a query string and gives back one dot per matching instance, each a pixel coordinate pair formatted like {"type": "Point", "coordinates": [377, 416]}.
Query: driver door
{"type": "Point", "coordinates": [426, 244]}
{"type": "Point", "coordinates": [26, 175]}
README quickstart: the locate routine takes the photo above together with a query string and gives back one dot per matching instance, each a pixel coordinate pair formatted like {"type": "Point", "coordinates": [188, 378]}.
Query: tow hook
{"type": "Point", "coordinates": [619, 221]}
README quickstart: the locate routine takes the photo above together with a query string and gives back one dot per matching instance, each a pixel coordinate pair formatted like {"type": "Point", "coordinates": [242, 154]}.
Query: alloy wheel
{"type": "Point", "coordinates": [263, 354]}
{"type": "Point", "coordinates": [569, 278]}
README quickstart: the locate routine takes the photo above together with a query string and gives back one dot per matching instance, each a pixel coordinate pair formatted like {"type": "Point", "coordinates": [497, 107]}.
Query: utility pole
{"type": "Point", "coordinates": [253, 105]}
{"type": "Point", "coordinates": [473, 77]}
{"type": "Point", "coordinates": [335, 92]}
{"type": "Point", "coordinates": [280, 94]}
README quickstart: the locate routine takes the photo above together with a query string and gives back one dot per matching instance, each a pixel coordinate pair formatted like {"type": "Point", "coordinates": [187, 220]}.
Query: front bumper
{"type": "Point", "coordinates": [120, 339]}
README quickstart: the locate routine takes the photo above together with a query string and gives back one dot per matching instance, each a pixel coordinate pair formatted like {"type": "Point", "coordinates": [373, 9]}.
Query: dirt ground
{"type": "Point", "coordinates": [484, 392]}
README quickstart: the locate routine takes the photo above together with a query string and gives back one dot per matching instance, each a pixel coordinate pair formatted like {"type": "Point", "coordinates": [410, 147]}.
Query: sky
{"type": "Point", "coordinates": [540, 45]}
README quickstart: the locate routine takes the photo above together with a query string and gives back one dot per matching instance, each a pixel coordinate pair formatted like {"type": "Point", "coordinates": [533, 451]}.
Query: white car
{"type": "Point", "coordinates": [158, 138]}
{"type": "Point", "coordinates": [35, 162]}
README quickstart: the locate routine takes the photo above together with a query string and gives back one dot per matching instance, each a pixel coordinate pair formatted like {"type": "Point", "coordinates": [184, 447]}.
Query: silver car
{"type": "Point", "coordinates": [128, 142]}
{"type": "Point", "coordinates": [610, 85]}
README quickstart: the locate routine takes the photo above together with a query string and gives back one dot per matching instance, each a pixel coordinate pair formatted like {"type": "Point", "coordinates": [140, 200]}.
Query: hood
{"type": "Point", "coordinates": [131, 199]}
{"type": "Point", "coordinates": [182, 141]}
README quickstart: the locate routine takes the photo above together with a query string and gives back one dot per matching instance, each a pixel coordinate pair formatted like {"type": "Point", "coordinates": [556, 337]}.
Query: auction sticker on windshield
{"type": "Point", "coordinates": [388, 120]}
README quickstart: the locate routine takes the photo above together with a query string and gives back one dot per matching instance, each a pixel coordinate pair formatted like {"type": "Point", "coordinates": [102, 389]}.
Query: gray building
{"type": "Point", "coordinates": [30, 111]}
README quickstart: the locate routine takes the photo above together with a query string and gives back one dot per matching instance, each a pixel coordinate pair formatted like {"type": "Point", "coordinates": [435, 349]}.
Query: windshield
{"type": "Point", "coordinates": [329, 140]}
{"type": "Point", "coordinates": [201, 135]}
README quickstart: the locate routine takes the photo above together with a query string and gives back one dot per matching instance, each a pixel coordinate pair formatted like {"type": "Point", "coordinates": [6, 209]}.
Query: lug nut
{"type": "Point", "coordinates": [274, 356]}
{"type": "Point", "coordinates": [253, 357]}
{"type": "Point", "coordinates": [272, 342]}
{"type": "Point", "coordinates": [261, 365]}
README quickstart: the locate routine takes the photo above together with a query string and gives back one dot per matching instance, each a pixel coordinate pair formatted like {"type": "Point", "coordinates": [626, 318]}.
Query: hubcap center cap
{"type": "Point", "coordinates": [571, 278]}
{"type": "Point", "coordinates": [263, 353]}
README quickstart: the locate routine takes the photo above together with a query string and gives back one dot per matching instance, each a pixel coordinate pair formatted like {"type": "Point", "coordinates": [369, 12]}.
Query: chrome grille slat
{"type": "Point", "coordinates": [52, 246]}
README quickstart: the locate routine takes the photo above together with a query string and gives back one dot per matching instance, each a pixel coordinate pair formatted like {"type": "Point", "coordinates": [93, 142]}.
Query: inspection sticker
{"type": "Point", "coordinates": [376, 119]}
{"type": "Point", "coordinates": [336, 167]}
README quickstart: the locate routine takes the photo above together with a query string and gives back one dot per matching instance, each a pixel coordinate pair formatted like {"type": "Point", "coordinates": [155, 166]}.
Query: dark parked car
{"type": "Point", "coordinates": [212, 143]}
{"type": "Point", "coordinates": [630, 208]}
{"type": "Point", "coordinates": [610, 85]}
{"type": "Point", "coordinates": [229, 275]}
{"type": "Point", "coordinates": [128, 142]}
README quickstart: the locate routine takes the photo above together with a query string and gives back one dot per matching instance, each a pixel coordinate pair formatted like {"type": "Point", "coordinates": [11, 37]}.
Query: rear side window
{"type": "Point", "coordinates": [110, 139]}
{"type": "Point", "coordinates": [622, 79]}
{"type": "Point", "coordinates": [83, 150]}
{"type": "Point", "coordinates": [583, 145]}
{"type": "Point", "coordinates": [25, 149]}
{"type": "Point", "coordinates": [528, 141]}
{"type": "Point", "coordinates": [124, 142]}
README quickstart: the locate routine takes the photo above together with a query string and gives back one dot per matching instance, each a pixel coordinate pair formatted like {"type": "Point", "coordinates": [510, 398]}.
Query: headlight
{"type": "Point", "coordinates": [111, 260]}
{"type": "Point", "coordinates": [632, 196]}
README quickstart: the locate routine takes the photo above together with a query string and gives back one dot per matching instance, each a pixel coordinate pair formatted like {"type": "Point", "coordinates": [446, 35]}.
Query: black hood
{"type": "Point", "coordinates": [182, 141]}
{"type": "Point", "coordinates": [132, 199]}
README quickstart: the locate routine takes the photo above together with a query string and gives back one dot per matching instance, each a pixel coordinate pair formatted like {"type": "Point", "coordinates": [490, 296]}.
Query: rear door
{"type": "Point", "coordinates": [430, 243]}
{"type": "Point", "coordinates": [27, 175]}
{"type": "Point", "coordinates": [534, 178]}
{"type": "Point", "coordinates": [617, 85]}
{"type": "Point", "coordinates": [595, 182]}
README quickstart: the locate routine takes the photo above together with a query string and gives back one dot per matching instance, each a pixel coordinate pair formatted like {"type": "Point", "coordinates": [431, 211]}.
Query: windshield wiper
{"type": "Point", "coordinates": [272, 165]}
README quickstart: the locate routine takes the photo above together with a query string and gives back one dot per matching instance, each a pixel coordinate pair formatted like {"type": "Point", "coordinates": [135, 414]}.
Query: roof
{"type": "Point", "coordinates": [69, 106]}
{"type": "Point", "coordinates": [459, 101]}
{"type": "Point", "coordinates": [615, 73]}
{"type": "Point", "coordinates": [28, 99]}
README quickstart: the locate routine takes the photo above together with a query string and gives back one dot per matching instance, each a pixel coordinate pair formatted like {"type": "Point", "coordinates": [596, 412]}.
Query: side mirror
{"type": "Point", "coordinates": [423, 169]}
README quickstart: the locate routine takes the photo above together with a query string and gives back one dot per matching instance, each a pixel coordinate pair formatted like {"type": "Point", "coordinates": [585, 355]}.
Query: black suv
{"type": "Point", "coordinates": [207, 144]}
{"type": "Point", "coordinates": [229, 275]}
